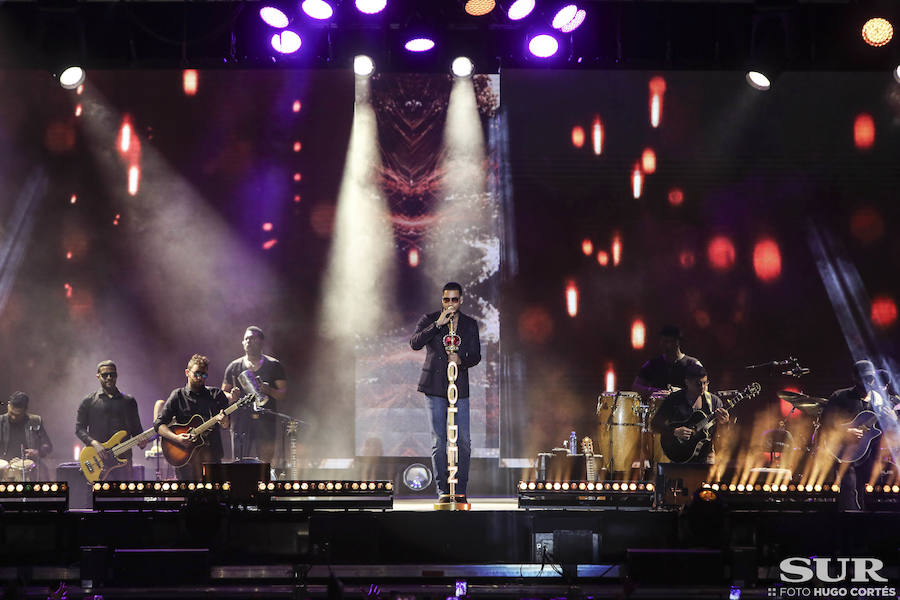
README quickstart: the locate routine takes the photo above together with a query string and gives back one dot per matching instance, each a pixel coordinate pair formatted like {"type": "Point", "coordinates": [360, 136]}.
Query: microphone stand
{"type": "Point", "coordinates": [790, 366]}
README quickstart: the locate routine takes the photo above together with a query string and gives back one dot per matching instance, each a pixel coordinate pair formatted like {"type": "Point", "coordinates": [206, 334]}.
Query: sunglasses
{"type": "Point", "coordinates": [112, 375]}
{"type": "Point", "coordinates": [453, 300]}
{"type": "Point", "coordinates": [199, 374]}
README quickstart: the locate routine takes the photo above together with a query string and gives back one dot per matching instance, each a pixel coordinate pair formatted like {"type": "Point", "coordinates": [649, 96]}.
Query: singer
{"type": "Point", "coordinates": [433, 382]}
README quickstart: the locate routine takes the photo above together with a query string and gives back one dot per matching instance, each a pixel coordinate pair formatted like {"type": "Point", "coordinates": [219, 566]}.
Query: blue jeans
{"type": "Point", "coordinates": [438, 407]}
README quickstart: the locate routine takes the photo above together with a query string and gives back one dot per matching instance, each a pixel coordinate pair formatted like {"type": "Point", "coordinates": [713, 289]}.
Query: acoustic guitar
{"type": "Point", "coordinates": [851, 450]}
{"type": "Point", "coordinates": [95, 468]}
{"type": "Point", "coordinates": [176, 454]}
{"type": "Point", "coordinates": [587, 447]}
{"type": "Point", "coordinates": [702, 425]}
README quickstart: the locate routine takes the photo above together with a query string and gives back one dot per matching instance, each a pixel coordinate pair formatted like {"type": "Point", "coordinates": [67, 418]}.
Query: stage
{"type": "Point", "coordinates": [411, 551]}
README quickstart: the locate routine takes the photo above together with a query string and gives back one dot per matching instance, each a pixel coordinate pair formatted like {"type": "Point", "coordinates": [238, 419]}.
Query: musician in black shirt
{"type": "Point", "coordinates": [665, 371]}
{"type": "Point", "coordinates": [679, 406]}
{"type": "Point", "coordinates": [254, 431]}
{"type": "Point", "coordinates": [106, 411]}
{"type": "Point", "coordinates": [183, 403]}
{"type": "Point", "coordinates": [842, 407]}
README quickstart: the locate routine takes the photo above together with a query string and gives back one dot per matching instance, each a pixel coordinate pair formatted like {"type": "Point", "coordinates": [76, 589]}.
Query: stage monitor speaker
{"type": "Point", "coordinates": [243, 476]}
{"type": "Point", "coordinates": [79, 487]}
{"type": "Point", "coordinates": [676, 482]}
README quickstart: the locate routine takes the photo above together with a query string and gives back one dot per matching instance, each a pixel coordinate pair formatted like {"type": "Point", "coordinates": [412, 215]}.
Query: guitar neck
{"type": "Point", "coordinates": [211, 422]}
{"type": "Point", "coordinates": [138, 439]}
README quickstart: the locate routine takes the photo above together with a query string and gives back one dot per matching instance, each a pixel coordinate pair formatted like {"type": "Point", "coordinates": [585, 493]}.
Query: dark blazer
{"type": "Point", "coordinates": [35, 437]}
{"type": "Point", "coordinates": [433, 380]}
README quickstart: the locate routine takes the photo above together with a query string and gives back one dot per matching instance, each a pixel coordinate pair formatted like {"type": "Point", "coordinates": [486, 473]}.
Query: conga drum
{"type": "Point", "coordinates": [21, 470]}
{"type": "Point", "coordinates": [619, 435]}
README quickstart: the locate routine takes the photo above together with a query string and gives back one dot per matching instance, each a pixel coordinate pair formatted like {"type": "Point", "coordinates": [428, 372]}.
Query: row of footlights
{"type": "Point", "coordinates": [325, 486]}
{"type": "Point", "coordinates": [19, 488]}
{"type": "Point", "coordinates": [772, 488]}
{"type": "Point", "coordinates": [159, 486]}
{"type": "Point", "coordinates": [585, 486]}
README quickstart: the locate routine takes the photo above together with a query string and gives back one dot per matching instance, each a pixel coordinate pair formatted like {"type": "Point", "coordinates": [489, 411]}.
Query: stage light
{"type": "Point", "coordinates": [767, 260]}
{"type": "Point", "coordinates": [189, 81]}
{"type": "Point", "coordinates": [520, 9]}
{"type": "Point", "coordinates": [758, 80]}
{"type": "Point", "coordinates": [479, 8]}
{"type": "Point", "coordinates": [897, 74]}
{"type": "Point", "coordinates": [575, 23]}
{"type": "Point", "coordinates": [273, 17]}
{"type": "Point", "coordinates": [324, 494]}
{"type": "Point", "coordinates": [417, 477]}
{"type": "Point", "coordinates": [578, 136]}
{"type": "Point", "coordinates": [370, 7]}
{"type": "Point", "coordinates": [721, 253]}
{"type": "Point", "coordinates": [34, 496]}
{"type": "Point", "coordinates": [286, 42]}
{"type": "Point", "coordinates": [543, 45]}
{"type": "Point", "coordinates": [71, 77]}
{"type": "Point", "coordinates": [597, 135]}
{"type": "Point", "coordinates": [864, 131]}
{"type": "Point", "coordinates": [884, 311]}
{"type": "Point", "coordinates": [572, 299]}
{"type": "Point", "coordinates": [317, 9]}
{"type": "Point", "coordinates": [563, 16]}
{"type": "Point", "coordinates": [585, 494]}
{"type": "Point", "coordinates": [462, 66]}
{"type": "Point", "coordinates": [877, 32]}
{"type": "Point", "coordinates": [587, 246]}
{"type": "Point", "coordinates": [419, 44]}
{"type": "Point", "coordinates": [363, 65]}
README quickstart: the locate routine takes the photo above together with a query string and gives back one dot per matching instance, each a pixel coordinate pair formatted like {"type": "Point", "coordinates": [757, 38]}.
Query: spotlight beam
{"type": "Point", "coordinates": [18, 232]}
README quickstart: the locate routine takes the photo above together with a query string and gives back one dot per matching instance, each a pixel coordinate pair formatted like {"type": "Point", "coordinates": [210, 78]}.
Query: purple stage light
{"type": "Point", "coordinates": [564, 15]}
{"type": "Point", "coordinates": [317, 9]}
{"type": "Point", "coordinates": [520, 9]}
{"type": "Point", "coordinates": [370, 7]}
{"type": "Point", "coordinates": [543, 45]}
{"type": "Point", "coordinates": [576, 21]}
{"type": "Point", "coordinates": [274, 17]}
{"type": "Point", "coordinates": [420, 44]}
{"type": "Point", "coordinates": [286, 42]}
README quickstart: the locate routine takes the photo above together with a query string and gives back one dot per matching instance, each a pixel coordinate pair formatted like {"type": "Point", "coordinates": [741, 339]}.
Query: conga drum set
{"type": "Point", "coordinates": [625, 441]}
{"type": "Point", "coordinates": [18, 469]}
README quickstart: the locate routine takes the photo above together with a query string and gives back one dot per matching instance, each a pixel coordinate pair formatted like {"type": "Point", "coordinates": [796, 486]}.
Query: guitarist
{"type": "Point", "coordinates": [680, 405]}
{"type": "Point", "coordinates": [183, 403]}
{"type": "Point", "coordinates": [106, 411]}
{"type": "Point", "coordinates": [842, 408]}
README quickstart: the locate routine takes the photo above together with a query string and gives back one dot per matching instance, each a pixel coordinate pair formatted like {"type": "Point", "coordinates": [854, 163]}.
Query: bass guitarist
{"type": "Point", "coordinates": [103, 413]}
{"type": "Point", "coordinates": [194, 399]}
{"type": "Point", "coordinates": [678, 407]}
{"type": "Point", "coordinates": [838, 428]}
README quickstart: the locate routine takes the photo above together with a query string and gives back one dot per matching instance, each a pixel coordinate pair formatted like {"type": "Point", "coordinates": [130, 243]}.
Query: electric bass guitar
{"type": "Point", "coordinates": [587, 447]}
{"type": "Point", "coordinates": [701, 425]}
{"type": "Point", "coordinates": [92, 463]}
{"type": "Point", "coordinates": [851, 450]}
{"type": "Point", "coordinates": [176, 454]}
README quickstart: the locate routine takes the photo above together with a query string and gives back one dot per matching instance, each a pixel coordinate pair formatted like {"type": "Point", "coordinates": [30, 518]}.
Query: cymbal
{"type": "Point", "coordinates": [807, 404]}
{"type": "Point", "coordinates": [795, 397]}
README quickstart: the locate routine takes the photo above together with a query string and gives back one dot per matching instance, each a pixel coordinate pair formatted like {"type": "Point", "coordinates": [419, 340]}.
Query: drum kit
{"type": "Point", "coordinates": [17, 469]}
